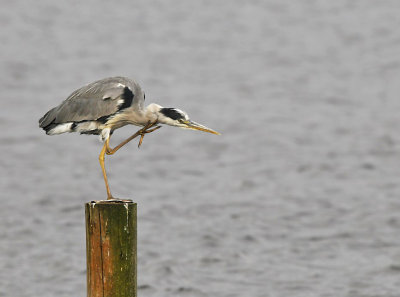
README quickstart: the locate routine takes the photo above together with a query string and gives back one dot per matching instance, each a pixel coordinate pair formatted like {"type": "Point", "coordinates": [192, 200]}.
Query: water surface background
{"type": "Point", "coordinates": [299, 196]}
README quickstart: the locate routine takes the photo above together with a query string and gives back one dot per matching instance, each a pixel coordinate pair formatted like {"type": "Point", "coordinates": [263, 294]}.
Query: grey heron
{"type": "Point", "coordinates": [105, 105]}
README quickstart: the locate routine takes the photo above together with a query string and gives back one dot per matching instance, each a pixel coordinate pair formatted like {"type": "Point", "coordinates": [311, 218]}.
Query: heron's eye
{"type": "Point", "coordinates": [183, 121]}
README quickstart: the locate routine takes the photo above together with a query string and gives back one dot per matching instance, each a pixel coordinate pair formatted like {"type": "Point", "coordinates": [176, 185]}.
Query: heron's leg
{"type": "Point", "coordinates": [101, 159]}
{"type": "Point", "coordinates": [145, 132]}
{"type": "Point", "coordinates": [111, 151]}
{"type": "Point", "coordinates": [141, 132]}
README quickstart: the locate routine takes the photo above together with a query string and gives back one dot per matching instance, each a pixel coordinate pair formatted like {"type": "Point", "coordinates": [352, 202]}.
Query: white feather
{"type": "Point", "coordinates": [62, 128]}
{"type": "Point", "coordinates": [105, 134]}
{"type": "Point", "coordinates": [87, 126]}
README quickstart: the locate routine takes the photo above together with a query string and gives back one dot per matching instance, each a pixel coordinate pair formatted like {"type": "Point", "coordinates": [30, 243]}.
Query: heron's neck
{"type": "Point", "coordinates": [152, 111]}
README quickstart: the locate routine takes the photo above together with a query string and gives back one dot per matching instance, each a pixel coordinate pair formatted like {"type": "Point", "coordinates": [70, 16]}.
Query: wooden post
{"type": "Point", "coordinates": [111, 248]}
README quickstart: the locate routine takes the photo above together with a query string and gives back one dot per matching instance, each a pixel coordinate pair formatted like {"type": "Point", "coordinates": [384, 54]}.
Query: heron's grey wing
{"type": "Point", "coordinates": [84, 107]}
{"type": "Point", "coordinates": [99, 99]}
{"type": "Point", "coordinates": [96, 100]}
{"type": "Point", "coordinates": [124, 82]}
{"type": "Point", "coordinates": [112, 94]}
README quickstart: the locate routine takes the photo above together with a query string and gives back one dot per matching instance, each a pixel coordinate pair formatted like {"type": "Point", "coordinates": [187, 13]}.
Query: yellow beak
{"type": "Point", "coordinates": [197, 126]}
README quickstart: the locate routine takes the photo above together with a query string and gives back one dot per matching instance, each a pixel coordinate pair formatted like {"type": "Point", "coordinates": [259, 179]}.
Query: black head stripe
{"type": "Point", "coordinates": [172, 113]}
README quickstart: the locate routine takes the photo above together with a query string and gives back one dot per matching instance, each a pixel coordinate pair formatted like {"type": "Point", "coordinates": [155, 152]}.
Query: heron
{"type": "Point", "coordinates": [101, 107]}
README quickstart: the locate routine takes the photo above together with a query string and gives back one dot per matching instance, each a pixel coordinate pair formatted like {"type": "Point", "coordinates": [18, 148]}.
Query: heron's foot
{"type": "Point", "coordinates": [145, 131]}
{"type": "Point", "coordinates": [114, 200]}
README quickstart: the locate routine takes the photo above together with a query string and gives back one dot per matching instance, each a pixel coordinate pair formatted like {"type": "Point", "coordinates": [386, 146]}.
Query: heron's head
{"type": "Point", "coordinates": [178, 118]}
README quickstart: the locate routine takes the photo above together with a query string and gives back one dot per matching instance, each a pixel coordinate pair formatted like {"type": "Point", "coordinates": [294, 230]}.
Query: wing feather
{"type": "Point", "coordinates": [96, 100]}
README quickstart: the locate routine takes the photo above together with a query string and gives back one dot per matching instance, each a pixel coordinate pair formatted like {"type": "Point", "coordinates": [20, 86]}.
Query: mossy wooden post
{"type": "Point", "coordinates": [111, 248]}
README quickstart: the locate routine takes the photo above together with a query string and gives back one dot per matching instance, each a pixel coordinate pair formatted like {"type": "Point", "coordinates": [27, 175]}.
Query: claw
{"type": "Point", "coordinates": [141, 140]}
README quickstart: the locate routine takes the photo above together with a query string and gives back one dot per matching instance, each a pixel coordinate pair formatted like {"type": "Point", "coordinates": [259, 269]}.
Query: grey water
{"type": "Point", "coordinates": [299, 196]}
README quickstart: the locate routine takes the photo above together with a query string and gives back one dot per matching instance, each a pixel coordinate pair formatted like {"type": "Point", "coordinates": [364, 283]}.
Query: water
{"type": "Point", "coordinates": [298, 197]}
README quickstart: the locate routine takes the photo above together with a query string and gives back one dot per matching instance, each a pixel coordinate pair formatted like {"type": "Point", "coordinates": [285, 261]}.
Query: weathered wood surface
{"type": "Point", "coordinates": [111, 248]}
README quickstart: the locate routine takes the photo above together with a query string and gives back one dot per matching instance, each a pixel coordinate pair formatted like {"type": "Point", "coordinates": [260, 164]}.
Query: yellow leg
{"type": "Point", "coordinates": [110, 151]}
{"type": "Point", "coordinates": [101, 159]}
{"type": "Point", "coordinates": [146, 129]}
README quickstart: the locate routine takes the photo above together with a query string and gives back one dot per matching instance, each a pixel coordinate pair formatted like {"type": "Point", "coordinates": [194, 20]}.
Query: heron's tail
{"type": "Point", "coordinates": [47, 118]}
{"type": "Point", "coordinates": [47, 122]}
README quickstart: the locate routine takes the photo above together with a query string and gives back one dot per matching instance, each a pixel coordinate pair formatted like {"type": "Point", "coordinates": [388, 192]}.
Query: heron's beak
{"type": "Point", "coordinates": [197, 126]}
